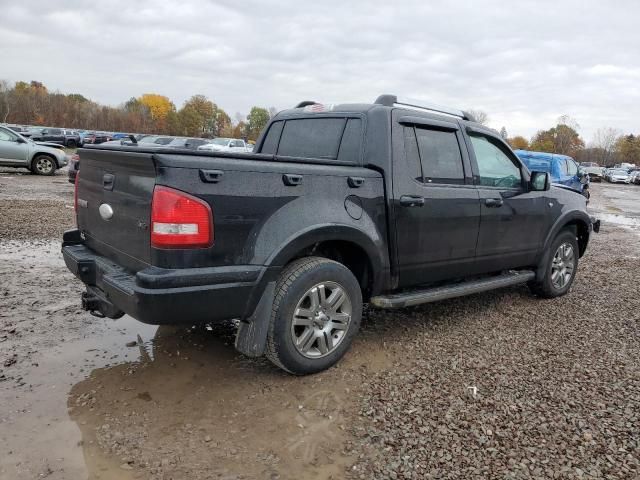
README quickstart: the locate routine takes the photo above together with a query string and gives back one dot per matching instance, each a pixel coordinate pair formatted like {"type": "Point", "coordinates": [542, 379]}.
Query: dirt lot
{"type": "Point", "coordinates": [499, 385]}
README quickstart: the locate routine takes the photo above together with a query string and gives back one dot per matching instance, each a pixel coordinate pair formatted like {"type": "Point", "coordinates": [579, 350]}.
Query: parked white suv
{"type": "Point", "coordinates": [227, 145]}
{"type": "Point", "coordinates": [21, 152]}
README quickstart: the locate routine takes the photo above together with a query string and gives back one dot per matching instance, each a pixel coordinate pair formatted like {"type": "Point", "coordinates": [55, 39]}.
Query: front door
{"type": "Point", "coordinates": [513, 219]}
{"type": "Point", "coordinates": [436, 206]}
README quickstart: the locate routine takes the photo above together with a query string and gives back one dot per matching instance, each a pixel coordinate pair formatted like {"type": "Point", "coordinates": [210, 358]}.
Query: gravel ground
{"type": "Point", "coordinates": [506, 385]}
{"type": "Point", "coordinates": [498, 385]}
{"type": "Point", "coordinates": [34, 207]}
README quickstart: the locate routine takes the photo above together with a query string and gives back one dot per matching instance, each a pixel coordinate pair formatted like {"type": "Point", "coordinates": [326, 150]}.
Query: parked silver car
{"type": "Point", "coordinates": [618, 175]}
{"type": "Point", "coordinates": [21, 152]}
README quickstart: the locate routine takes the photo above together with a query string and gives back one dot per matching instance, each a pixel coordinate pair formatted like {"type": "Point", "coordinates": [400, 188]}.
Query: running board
{"type": "Point", "coordinates": [416, 297]}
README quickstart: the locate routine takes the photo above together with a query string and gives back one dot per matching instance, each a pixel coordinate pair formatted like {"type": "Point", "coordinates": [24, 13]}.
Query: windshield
{"type": "Point", "coordinates": [177, 142]}
{"type": "Point", "coordinates": [220, 141]}
{"type": "Point", "coordinates": [619, 171]}
{"type": "Point", "coordinates": [148, 139]}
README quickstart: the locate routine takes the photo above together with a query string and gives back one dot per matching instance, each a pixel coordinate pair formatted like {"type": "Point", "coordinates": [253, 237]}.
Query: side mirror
{"type": "Point", "coordinates": [21, 140]}
{"type": "Point", "coordinates": [540, 181]}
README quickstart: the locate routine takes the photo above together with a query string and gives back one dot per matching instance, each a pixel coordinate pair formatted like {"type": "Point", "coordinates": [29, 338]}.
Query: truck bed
{"type": "Point", "coordinates": [255, 211]}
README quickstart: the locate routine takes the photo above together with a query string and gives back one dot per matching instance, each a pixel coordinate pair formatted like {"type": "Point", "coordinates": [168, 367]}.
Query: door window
{"type": "Point", "coordinates": [572, 169]}
{"type": "Point", "coordinates": [436, 154]}
{"type": "Point", "coordinates": [7, 137]}
{"type": "Point", "coordinates": [495, 167]}
{"type": "Point", "coordinates": [54, 131]}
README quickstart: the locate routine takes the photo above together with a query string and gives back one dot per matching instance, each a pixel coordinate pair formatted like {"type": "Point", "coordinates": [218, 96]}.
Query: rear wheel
{"type": "Point", "coordinates": [43, 165]}
{"type": "Point", "coordinates": [560, 268]}
{"type": "Point", "coordinates": [316, 313]}
{"type": "Point", "coordinates": [71, 144]}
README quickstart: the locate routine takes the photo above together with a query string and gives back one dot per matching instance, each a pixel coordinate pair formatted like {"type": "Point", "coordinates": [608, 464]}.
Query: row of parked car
{"type": "Point", "coordinates": [43, 154]}
{"type": "Point", "coordinates": [219, 144]}
{"type": "Point", "coordinates": [621, 173]}
{"type": "Point", "coordinates": [62, 136]}
{"type": "Point", "coordinates": [77, 138]}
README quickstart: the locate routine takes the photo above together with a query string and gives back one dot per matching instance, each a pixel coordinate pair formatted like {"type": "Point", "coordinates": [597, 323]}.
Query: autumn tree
{"type": "Point", "coordinates": [627, 149]}
{"type": "Point", "coordinates": [563, 138]}
{"type": "Point", "coordinates": [256, 121]}
{"type": "Point", "coordinates": [518, 142]}
{"type": "Point", "coordinates": [204, 110]}
{"type": "Point", "coordinates": [239, 130]}
{"type": "Point", "coordinates": [6, 102]}
{"type": "Point", "coordinates": [223, 126]}
{"type": "Point", "coordinates": [159, 106]}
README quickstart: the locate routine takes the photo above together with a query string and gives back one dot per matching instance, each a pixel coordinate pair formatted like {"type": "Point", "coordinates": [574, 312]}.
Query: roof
{"type": "Point", "coordinates": [528, 154]}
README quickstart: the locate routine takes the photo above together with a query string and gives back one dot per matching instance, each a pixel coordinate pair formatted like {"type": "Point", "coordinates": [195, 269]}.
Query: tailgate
{"type": "Point", "coordinates": [115, 189]}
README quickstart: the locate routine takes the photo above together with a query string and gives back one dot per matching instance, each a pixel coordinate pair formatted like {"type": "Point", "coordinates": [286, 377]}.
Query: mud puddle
{"type": "Point", "coordinates": [115, 399]}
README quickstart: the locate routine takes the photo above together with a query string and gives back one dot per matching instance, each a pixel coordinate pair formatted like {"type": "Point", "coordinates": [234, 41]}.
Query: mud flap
{"type": "Point", "coordinates": [251, 338]}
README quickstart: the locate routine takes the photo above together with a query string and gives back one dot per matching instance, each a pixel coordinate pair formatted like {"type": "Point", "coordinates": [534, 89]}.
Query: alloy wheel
{"type": "Point", "coordinates": [563, 265]}
{"type": "Point", "coordinates": [321, 319]}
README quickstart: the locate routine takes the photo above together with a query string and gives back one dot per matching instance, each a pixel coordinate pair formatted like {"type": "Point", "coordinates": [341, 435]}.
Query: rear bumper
{"type": "Point", "coordinates": [161, 296]}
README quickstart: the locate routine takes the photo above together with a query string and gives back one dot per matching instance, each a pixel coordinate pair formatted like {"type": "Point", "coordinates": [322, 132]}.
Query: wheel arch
{"type": "Point", "coordinates": [342, 243]}
{"type": "Point", "coordinates": [579, 221]}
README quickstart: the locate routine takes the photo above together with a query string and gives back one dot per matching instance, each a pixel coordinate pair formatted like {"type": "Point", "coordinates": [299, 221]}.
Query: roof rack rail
{"type": "Point", "coordinates": [305, 103]}
{"type": "Point", "coordinates": [393, 100]}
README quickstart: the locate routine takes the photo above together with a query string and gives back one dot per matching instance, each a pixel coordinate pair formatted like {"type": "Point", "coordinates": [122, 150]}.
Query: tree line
{"type": "Point", "coordinates": [33, 104]}
{"type": "Point", "coordinates": [608, 147]}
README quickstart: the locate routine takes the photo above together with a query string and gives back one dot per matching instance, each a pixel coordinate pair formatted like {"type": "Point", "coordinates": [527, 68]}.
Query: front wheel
{"type": "Point", "coordinates": [560, 268]}
{"type": "Point", "coordinates": [43, 165]}
{"type": "Point", "coordinates": [316, 313]}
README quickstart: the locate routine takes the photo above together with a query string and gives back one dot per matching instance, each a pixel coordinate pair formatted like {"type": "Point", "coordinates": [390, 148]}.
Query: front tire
{"type": "Point", "coordinates": [43, 165]}
{"type": "Point", "coordinates": [72, 144]}
{"type": "Point", "coordinates": [316, 312]}
{"type": "Point", "coordinates": [561, 266]}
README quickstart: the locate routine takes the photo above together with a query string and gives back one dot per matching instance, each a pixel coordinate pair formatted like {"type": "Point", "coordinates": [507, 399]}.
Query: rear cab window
{"type": "Point", "coordinates": [322, 138]}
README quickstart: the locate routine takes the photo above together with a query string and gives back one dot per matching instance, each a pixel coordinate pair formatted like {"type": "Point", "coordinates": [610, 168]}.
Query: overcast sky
{"type": "Point", "coordinates": [525, 63]}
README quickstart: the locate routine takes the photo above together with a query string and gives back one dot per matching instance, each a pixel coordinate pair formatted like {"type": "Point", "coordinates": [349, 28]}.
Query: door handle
{"type": "Point", "coordinates": [493, 202]}
{"type": "Point", "coordinates": [411, 201]}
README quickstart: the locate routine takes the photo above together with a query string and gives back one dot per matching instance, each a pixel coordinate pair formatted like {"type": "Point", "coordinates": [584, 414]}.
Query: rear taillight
{"type": "Point", "coordinates": [179, 220]}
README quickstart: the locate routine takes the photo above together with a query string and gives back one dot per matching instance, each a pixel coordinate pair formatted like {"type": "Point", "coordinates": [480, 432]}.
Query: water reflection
{"type": "Point", "coordinates": [190, 406]}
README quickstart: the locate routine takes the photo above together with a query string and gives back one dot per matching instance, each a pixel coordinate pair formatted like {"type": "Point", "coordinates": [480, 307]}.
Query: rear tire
{"type": "Point", "coordinates": [43, 165]}
{"type": "Point", "coordinates": [561, 266]}
{"type": "Point", "coordinates": [316, 312]}
{"type": "Point", "coordinates": [71, 144]}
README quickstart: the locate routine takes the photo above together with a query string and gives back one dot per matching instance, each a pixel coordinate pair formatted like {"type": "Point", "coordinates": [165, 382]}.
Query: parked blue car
{"type": "Point", "coordinates": [563, 169]}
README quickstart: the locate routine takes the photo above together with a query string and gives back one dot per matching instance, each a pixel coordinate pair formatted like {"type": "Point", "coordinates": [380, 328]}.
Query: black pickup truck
{"type": "Point", "coordinates": [394, 203]}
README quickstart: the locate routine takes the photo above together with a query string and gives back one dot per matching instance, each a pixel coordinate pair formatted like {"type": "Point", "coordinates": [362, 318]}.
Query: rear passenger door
{"type": "Point", "coordinates": [513, 218]}
{"type": "Point", "coordinates": [436, 206]}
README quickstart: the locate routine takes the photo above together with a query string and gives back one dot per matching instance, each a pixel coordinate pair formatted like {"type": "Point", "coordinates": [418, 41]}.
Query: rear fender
{"type": "Point", "coordinates": [307, 239]}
